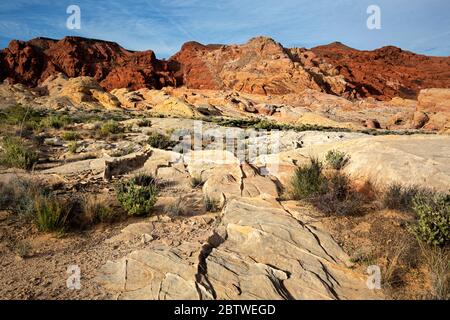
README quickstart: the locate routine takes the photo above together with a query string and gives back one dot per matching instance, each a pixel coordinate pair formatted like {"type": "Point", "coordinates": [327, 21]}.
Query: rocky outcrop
{"type": "Point", "coordinates": [259, 251]}
{"type": "Point", "coordinates": [260, 66]}
{"type": "Point", "coordinates": [386, 72]}
{"type": "Point", "coordinates": [31, 62]}
{"type": "Point", "coordinates": [77, 91]}
{"type": "Point", "coordinates": [382, 160]}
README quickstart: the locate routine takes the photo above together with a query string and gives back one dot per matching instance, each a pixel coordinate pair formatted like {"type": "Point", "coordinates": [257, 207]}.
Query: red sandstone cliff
{"type": "Point", "coordinates": [260, 66]}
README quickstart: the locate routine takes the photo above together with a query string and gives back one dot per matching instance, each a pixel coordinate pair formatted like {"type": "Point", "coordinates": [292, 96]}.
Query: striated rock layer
{"type": "Point", "coordinates": [260, 66]}
{"type": "Point", "coordinates": [386, 72]}
{"type": "Point", "coordinates": [111, 65]}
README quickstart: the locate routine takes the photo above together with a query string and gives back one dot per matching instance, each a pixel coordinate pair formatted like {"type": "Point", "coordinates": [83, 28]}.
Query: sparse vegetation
{"type": "Point", "coordinates": [122, 152]}
{"type": "Point", "coordinates": [308, 180]}
{"type": "Point", "coordinates": [22, 249]}
{"type": "Point", "coordinates": [196, 181]}
{"type": "Point", "coordinates": [211, 205]}
{"type": "Point", "coordinates": [72, 146]}
{"type": "Point", "coordinates": [336, 159]}
{"type": "Point", "coordinates": [144, 123]}
{"type": "Point", "coordinates": [96, 210]}
{"type": "Point", "coordinates": [339, 197]}
{"type": "Point", "coordinates": [110, 127]}
{"type": "Point", "coordinates": [51, 214]}
{"type": "Point", "coordinates": [160, 141]}
{"type": "Point", "coordinates": [16, 154]}
{"type": "Point", "coordinates": [71, 136]}
{"type": "Point", "coordinates": [176, 208]}
{"type": "Point", "coordinates": [26, 118]}
{"type": "Point", "coordinates": [56, 121]}
{"type": "Point", "coordinates": [433, 219]}
{"type": "Point", "coordinates": [138, 195]}
{"type": "Point", "coordinates": [399, 197]}
{"type": "Point", "coordinates": [332, 194]}
{"type": "Point", "coordinates": [437, 260]}
{"type": "Point", "coordinates": [18, 195]}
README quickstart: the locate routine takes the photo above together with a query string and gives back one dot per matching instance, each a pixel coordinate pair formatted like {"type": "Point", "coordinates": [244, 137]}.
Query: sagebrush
{"type": "Point", "coordinates": [137, 195]}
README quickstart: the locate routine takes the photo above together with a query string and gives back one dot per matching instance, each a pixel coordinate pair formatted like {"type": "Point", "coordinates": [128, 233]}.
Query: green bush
{"type": "Point", "coordinates": [138, 195]}
{"type": "Point", "coordinates": [433, 219]}
{"type": "Point", "coordinates": [56, 121]}
{"type": "Point", "coordinates": [398, 197]}
{"type": "Point", "coordinates": [51, 214]}
{"type": "Point", "coordinates": [336, 159]}
{"type": "Point", "coordinates": [110, 127]}
{"type": "Point", "coordinates": [16, 154]}
{"type": "Point", "coordinates": [308, 180]}
{"type": "Point", "coordinates": [160, 141]}
{"type": "Point", "coordinates": [26, 118]}
{"type": "Point", "coordinates": [71, 136]}
{"type": "Point", "coordinates": [72, 146]}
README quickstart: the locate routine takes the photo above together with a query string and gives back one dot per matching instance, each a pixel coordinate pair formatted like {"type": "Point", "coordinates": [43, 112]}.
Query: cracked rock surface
{"type": "Point", "coordinates": [257, 249]}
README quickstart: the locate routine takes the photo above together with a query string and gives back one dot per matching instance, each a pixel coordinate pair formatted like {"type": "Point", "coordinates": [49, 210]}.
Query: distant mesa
{"type": "Point", "coordinates": [260, 66]}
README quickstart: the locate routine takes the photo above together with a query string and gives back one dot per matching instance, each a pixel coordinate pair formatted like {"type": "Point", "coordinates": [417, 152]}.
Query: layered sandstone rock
{"type": "Point", "coordinates": [386, 72]}
{"type": "Point", "coordinates": [31, 62]}
{"type": "Point", "coordinates": [78, 91]}
{"type": "Point", "coordinates": [382, 160]}
{"type": "Point", "coordinates": [261, 66]}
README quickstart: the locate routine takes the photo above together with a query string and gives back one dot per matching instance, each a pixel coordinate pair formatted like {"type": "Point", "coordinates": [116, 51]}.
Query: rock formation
{"type": "Point", "coordinates": [33, 61]}
{"type": "Point", "coordinates": [386, 72]}
{"type": "Point", "coordinates": [260, 66]}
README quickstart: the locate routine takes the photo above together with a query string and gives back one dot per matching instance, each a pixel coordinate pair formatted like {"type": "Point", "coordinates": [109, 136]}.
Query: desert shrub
{"type": "Point", "coordinates": [308, 180]}
{"type": "Point", "coordinates": [51, 214]}
{"type": "Point", "coordinates": [398, 197]}
{"type": "Point", "coordinates": [71, 136]}
{"type": "Point", "coordinates": [433, 218]}
{"type": "Point", "coordinates": [95, 210]}
{"type": "Point", "coordinates": [437, 261]}
{"type": "Point", "coordinates": [16, 154]}
{"type": "Point", "coordinates": [7, 195]}
{"type": "Point", "coordinates": [176, 208]}
{"type": "Point", "coordinates": [18, 196]}
{"type": "Point", "coordinates": [160, 141]}
{"type": "Point", "coordinates": [138, 195]}
{"type": "Point", "coordinates": [22, 248]}
{"type": "Point", "coordinates": [26, 117]}
{"type": "Point", "coordinates": [338, 197]}
{"type": "Point", "coordinates": [210, 204]}
{"type": "Point", "coordinates": [56, 121]}
{"type": "Point", "coordinates": [110, 127]}
{"type": "Point", "coordinates": [336, 159]}
{"type": "Point", "coordinates": [72, 146]}
{"type": "Point", "coordinates": [265, 124]}
{"type": "Point", "coordinates": [144, 123]}
{"type": "Point", "coordinates": [143, 179]}
{"type": "Point", "coordinates": [196, 182]}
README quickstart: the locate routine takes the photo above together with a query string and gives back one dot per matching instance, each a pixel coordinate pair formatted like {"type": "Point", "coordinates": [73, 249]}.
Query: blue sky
{"type": "Point", "coordinates": [422, 26]}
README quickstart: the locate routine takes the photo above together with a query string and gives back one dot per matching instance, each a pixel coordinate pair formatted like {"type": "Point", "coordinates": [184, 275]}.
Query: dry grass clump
{"type": "Point", "coordinates": [331, 193]}
{"type": "Point", "coordinates": [15, 153]}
